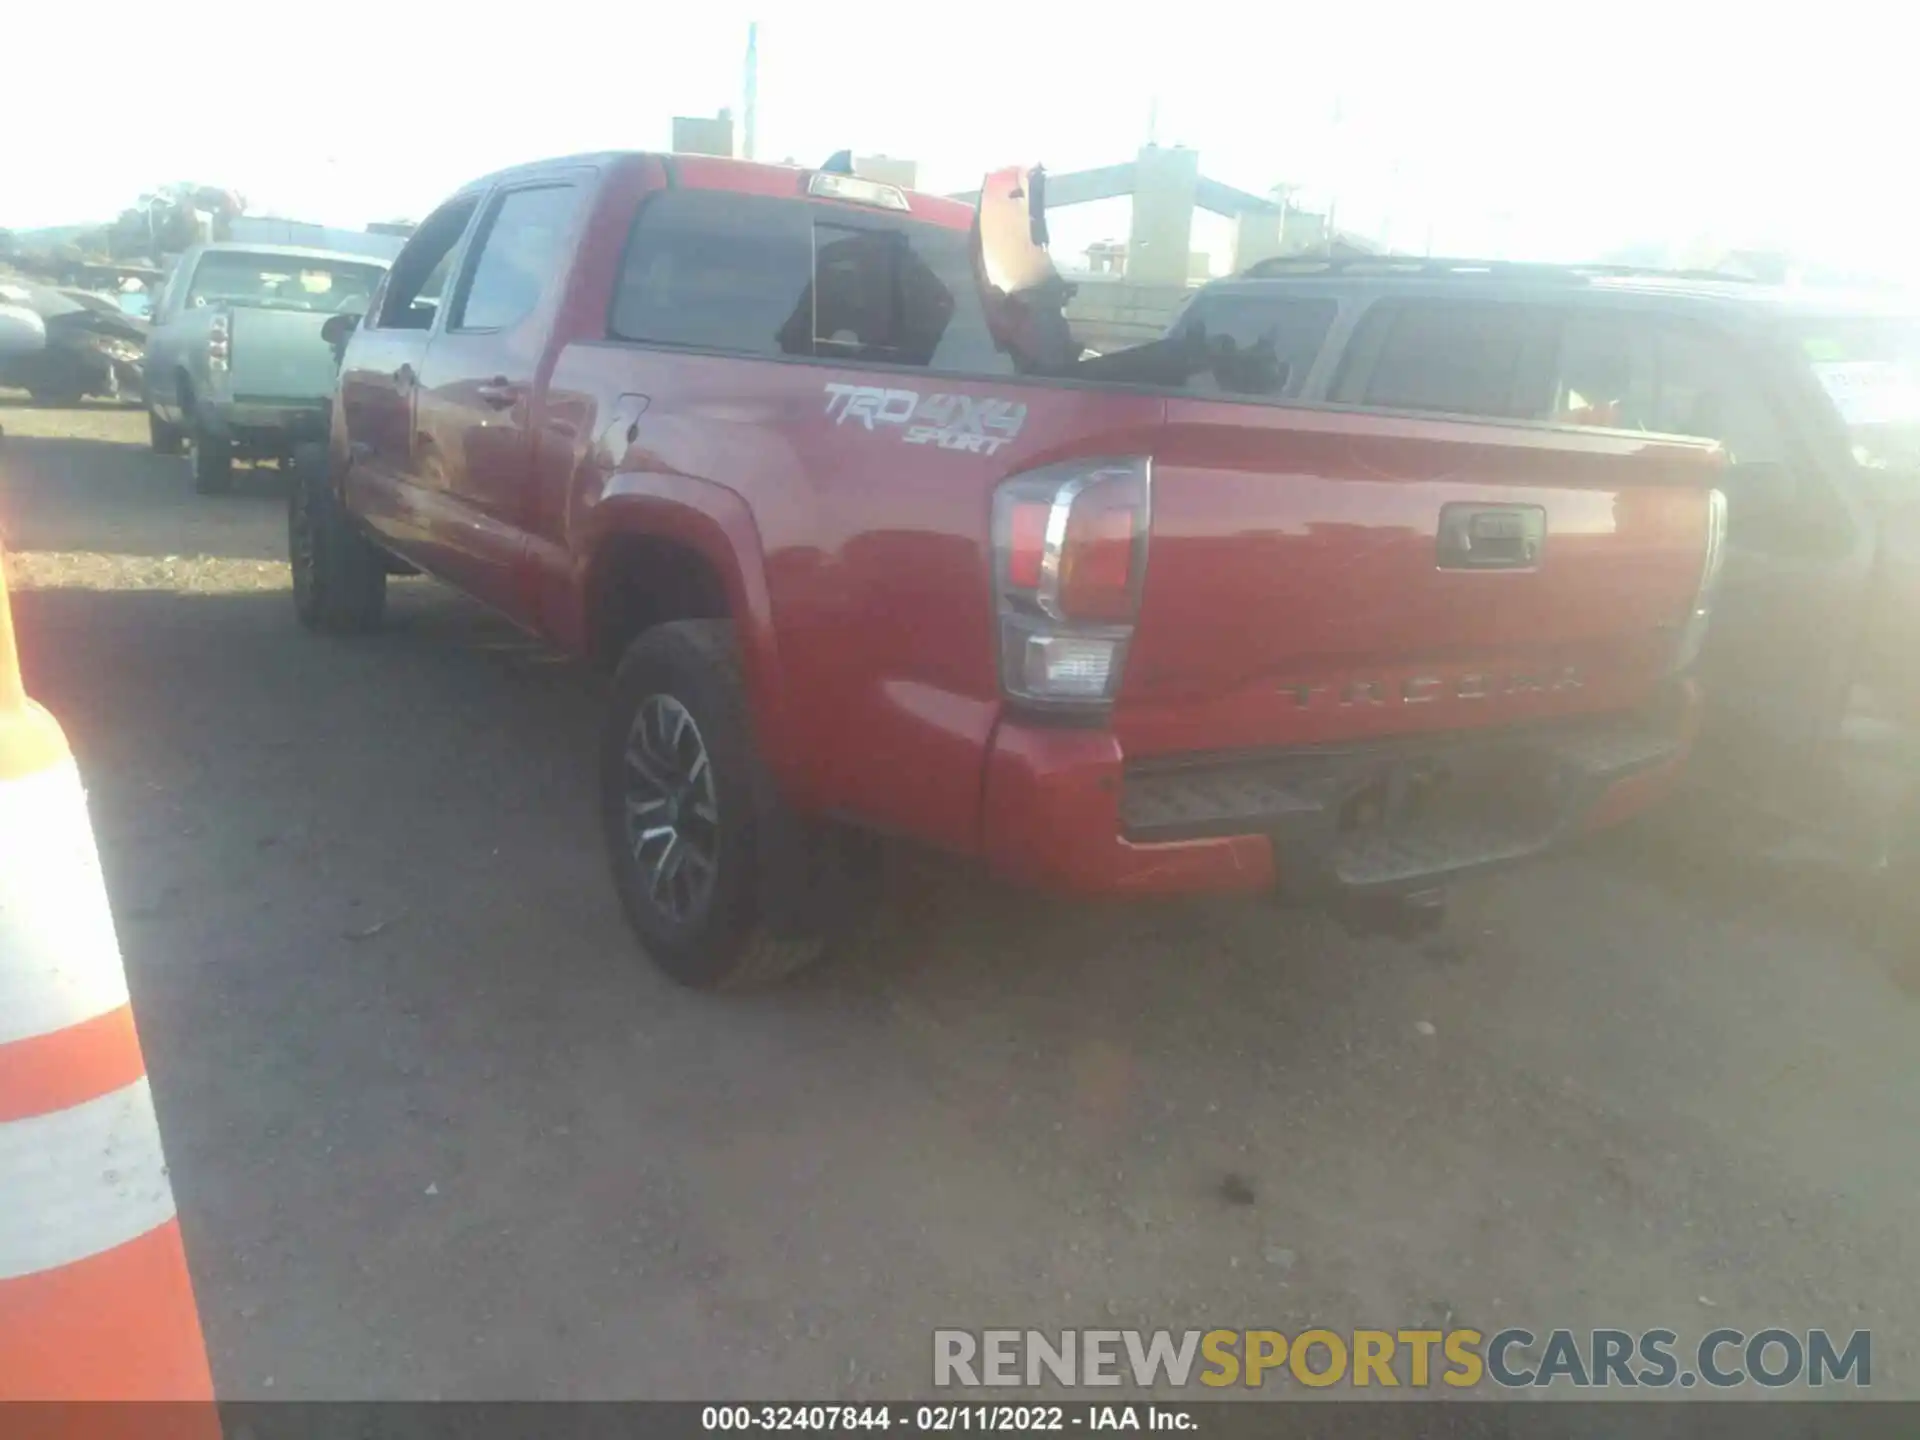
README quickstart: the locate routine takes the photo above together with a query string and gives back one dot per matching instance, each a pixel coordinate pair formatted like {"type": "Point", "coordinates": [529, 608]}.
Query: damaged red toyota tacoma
{"type": "Point", "coordinates": [874, 549]}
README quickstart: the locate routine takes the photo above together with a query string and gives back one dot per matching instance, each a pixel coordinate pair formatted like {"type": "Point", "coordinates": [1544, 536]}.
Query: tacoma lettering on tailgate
{"type": "Point", "coordinates": [1422, 689]}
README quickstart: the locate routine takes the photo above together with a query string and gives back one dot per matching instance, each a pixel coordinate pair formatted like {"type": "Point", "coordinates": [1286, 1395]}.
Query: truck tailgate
{"type": "Point", "coordinates": [278, 355]}
{"type": "Point", "coordinates": [1299, 590]}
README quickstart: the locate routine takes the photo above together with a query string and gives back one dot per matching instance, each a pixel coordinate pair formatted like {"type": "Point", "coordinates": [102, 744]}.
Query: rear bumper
{"type": "Point", "coordinates": [265, 422]}
{"type": "Point", "coordinates": [1066, 810]}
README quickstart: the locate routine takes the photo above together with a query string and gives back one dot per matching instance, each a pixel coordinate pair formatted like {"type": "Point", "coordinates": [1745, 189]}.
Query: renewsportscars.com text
{"type": "Point", "coordinates": [1514, 1358]}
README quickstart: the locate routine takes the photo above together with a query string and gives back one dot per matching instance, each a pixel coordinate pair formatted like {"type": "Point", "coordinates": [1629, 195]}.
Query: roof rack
{"type": "Point", "coordinates": [1429, 267]}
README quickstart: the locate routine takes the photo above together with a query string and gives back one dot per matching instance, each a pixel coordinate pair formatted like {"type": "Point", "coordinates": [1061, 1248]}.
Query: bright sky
{"type": "Point", "coordinates": [1550, 130]}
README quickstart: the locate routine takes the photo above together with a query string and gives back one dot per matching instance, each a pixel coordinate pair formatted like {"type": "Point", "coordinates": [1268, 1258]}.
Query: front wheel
{"type": "Point", "coordinates": [339, 576]}
{"type": "Point", "coordinates": [690, 813]}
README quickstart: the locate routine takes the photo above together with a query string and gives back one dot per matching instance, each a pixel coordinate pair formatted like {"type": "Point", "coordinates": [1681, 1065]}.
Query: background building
{"type": "Point", "coordinates": [886, 170]}
{"type": "Point", "coordinates": [703, 135]}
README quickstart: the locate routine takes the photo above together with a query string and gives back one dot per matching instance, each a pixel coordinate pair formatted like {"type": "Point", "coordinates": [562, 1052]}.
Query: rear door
{"type": "Point", "coordinates": [380, 377]}
{"type": "Point", "coordinates": [479, 386]}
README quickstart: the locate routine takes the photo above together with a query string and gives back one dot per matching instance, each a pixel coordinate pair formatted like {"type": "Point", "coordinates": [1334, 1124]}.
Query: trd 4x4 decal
{"type": "Point", "coordinates": [953, 422]}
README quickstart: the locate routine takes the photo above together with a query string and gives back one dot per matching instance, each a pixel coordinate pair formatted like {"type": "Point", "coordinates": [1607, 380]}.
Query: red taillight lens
{"type": "Point", "coordinates": [1096, 562]}
{"type": "Point", "coordinates": [1071, 538]}
{"type": "Point", "coordinates": [1026, 543]}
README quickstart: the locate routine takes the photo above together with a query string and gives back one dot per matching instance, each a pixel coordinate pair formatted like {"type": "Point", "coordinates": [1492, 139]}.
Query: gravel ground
{"type": "Point", "coordinates": [437, 1130]}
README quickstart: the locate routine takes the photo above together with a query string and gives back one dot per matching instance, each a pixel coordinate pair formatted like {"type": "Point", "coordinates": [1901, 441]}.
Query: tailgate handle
{"type": "Point", "coordinates": [1490, 537]}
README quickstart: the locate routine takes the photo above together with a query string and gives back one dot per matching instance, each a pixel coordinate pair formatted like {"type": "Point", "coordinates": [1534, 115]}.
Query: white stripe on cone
{"type": "Point", "coordinates": [59, 959]}
{"type": "Point", "coordinates": [80, 1181]}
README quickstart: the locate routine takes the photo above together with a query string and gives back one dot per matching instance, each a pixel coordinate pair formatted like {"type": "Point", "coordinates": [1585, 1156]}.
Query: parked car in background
{"type": "Point", "coordinates": [812, 461]}
{"type": "Point", "coordinates": [1812, 668]}
{"type": "Point", "coordinates": [22, 331]}
{"type": "Point", "coordinates": [136, 300]}
{"type": "Point", "coordinates": [236, 366]}
{"type": "Point", "coordinates": [89, 347]}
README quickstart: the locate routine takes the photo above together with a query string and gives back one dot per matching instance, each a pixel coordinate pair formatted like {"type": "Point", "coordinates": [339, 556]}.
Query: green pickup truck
{"type": "Point", "coordinates": [236, 365]}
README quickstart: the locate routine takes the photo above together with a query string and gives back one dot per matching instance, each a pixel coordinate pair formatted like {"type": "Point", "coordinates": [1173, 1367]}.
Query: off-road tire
{"type": "Point", "coordinates": [339, 576]}
{"type": "Point", "coordinates": [727, 945]}
{"type": "Point", "coordinates": [166, 439]}
{"type": "Point", "coordinates": [212, 463]}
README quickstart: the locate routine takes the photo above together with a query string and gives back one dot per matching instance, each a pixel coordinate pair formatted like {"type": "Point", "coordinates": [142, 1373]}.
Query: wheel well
{"type": "Point", "coordinates": [639, 581]}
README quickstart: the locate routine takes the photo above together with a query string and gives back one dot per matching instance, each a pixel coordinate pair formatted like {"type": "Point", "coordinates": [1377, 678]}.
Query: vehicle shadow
{"type": "Point", "coordinates": [96, 496]}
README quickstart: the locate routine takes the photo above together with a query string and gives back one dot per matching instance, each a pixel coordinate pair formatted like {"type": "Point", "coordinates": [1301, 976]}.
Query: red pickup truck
{"type": "Point", "coordinates": [813, 461]}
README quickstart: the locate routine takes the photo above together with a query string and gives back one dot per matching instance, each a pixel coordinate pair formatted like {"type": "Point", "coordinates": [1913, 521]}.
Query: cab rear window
{"type": "Point", "coordinates": [279, 282]}
{"type": "Point", "coordinates": [776, 278]}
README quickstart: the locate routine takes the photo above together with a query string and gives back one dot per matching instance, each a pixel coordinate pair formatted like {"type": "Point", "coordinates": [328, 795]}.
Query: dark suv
{"type": "Point", "coordinates": [1813, 660]}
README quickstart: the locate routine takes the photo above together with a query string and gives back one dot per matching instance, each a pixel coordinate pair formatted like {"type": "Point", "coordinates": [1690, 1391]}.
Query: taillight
{"type": "Point", "coordinates": [219, 343]}
{"type": "Point", "coordinates": [1693, 633]}
{"type": "Point", "coordinates": [1026, 543]}
{"type": "Point", "coordinates": [1070, 558]}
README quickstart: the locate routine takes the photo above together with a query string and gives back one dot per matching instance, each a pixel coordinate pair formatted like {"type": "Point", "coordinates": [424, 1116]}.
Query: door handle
{"type": "Point", "coordinates": [498, 392]}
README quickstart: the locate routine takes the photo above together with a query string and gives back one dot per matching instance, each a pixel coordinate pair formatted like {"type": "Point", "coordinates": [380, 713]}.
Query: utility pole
{"type": "Point", "coordinates": [1338, 137]}
{"type": "Point", "coordinates": [752, 97]}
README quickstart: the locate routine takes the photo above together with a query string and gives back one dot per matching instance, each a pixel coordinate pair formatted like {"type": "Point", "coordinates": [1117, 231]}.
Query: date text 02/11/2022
{"type": "Point", "coordinates": [940, 1419]}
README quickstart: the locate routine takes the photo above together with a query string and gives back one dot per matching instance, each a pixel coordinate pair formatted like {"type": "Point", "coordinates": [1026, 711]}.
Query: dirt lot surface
{"type": "Point", "coordinates": [437, 1129]}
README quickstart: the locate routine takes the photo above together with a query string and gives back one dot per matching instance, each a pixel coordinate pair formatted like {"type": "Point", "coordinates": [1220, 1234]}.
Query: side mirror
{"type": "Point", "coordinates": [1759, 487]}
{"type": "Point", "coordinates": [338, 327]}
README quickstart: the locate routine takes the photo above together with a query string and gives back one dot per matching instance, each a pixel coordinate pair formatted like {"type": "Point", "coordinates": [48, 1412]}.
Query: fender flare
{"type": "Point", "coordinates": [715, 522]}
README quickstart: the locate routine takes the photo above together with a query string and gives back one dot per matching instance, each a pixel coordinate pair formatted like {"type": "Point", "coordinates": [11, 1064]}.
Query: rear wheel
{"type": "Point", "coordinates": [166, 439]}
{"type": "Point", "coordinates": [212, 462]}
{"type": "Point", "coordinates": [339, 576]}
{"type": "Point", "coordinates": [690, 813]}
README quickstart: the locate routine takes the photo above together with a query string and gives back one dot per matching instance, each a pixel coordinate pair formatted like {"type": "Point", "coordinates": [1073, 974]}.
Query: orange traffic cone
{"type": "Point", "coordinates": [95, 1300]}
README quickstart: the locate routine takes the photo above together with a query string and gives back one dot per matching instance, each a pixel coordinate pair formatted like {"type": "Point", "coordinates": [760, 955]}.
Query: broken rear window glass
{"type": "Point", "coordinates": [281, 282]}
